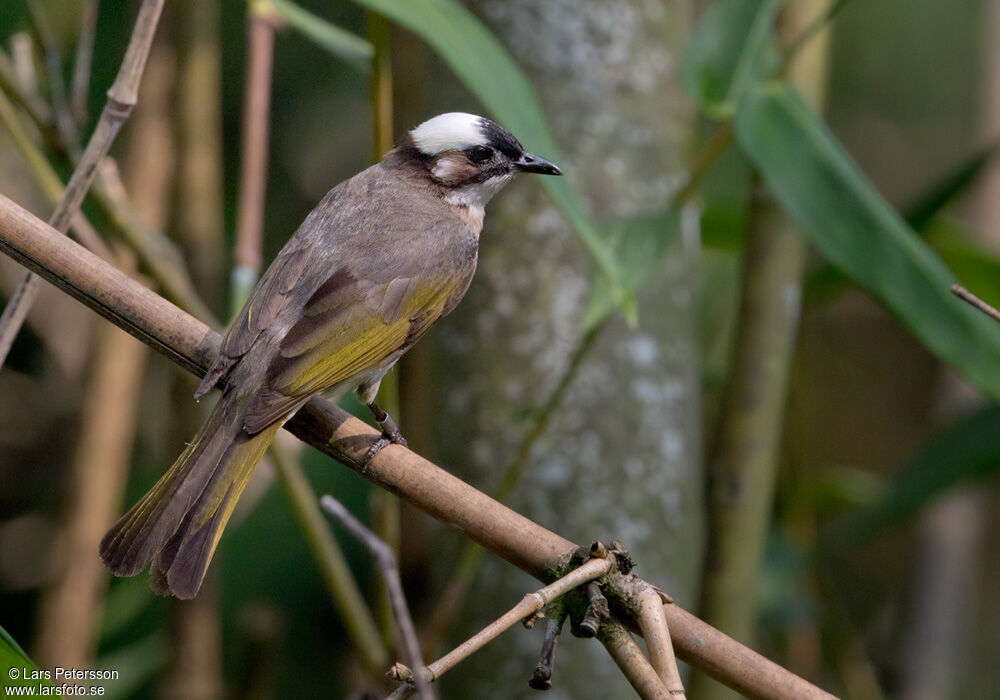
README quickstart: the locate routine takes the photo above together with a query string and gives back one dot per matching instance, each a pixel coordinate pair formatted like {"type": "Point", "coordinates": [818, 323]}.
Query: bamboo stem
{"type": "Point", "coordinates": [653, 623]}
{"type": "Point", "coordinates": [72, 604]}
{"type": "Point", "coordinates": [386, 508]}
{"type": "Point", "coordinates": [122, 97]}
{"type": "Point", "coordinates": [523, 543]}
{"type": "Point", "coordinates": [80, 87]}
{"type": "Point", "coordinates": [744, 470]}
{"type": "Point", "coordinates": [253, 168]}
{"type": "Point", "coordinates": [200, 222]}
{"type": "Point", "coordinates": [628, 656]}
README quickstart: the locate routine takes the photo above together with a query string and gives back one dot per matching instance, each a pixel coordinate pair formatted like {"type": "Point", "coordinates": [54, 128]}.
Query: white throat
{"type": "Point", "coordinates": [470, 200]}
{"type": "Point", "coordinates": [476, 195]}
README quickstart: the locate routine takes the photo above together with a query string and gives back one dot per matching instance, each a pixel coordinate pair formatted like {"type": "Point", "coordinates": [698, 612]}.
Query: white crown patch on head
{"type": "Point", "coordinates": [454, 131]}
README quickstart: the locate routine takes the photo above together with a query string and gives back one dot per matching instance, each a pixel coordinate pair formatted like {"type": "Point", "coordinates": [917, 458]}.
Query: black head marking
{"type": "Point", "coordinates": [501, 139]}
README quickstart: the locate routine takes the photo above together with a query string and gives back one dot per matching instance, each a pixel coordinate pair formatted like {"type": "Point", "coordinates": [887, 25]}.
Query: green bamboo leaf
{"type": "Point", "coordinates": [339, 42]}
{"type": "Point", "coordinates": [824, 282]}
{"type": "Point", "coordinates": [15, 665]}
{"type": "Point", "coordinates": [732, 47]}
{"type": "Point", "coordinates": [966, 452]}
{"type": "Point", "coordinates": [857, 231]}
{"type": "Point", "coordinates": [487, 69]}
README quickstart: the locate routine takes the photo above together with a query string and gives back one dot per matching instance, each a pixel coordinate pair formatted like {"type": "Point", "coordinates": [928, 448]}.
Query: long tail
{"type": "Point", "coordinates": [177, 524]}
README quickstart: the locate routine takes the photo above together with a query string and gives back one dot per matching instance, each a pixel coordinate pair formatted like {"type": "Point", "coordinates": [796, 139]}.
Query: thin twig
{"type": "Point", "coordinates": [386, 560]}
{"type": "Point", "coordinates": [653, 624]}
{"type": "Point", "coordinates": [122, 97]}
{"type": "Point", "coordinates": [525, 544]}
{"type": "Point", "coordinates": [974, 301]}
{"type": "Point", "coordinates": [530, 605]}
{"type": "Point", "coordinates": [541, 678]}
{"type": "Point", "coordinates": [628, 656]}
{"type": "Point", "coordinates": [80, 87]}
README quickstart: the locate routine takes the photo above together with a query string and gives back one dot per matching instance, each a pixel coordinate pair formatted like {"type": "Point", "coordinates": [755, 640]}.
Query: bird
{"type": "Point", "coordinates": [382, 257]}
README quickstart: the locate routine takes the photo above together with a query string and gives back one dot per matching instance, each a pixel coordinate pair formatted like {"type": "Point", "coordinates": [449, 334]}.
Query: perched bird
{"type": "Point", "coordinates": [381, 258]}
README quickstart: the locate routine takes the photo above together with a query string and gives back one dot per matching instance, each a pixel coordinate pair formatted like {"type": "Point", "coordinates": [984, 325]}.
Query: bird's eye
{"type": "Point", "coordinates": [480, 154]}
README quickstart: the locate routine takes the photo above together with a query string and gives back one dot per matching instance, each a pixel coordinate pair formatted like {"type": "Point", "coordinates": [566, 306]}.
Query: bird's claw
{"type": "Point", "coordinates": [383, 441]}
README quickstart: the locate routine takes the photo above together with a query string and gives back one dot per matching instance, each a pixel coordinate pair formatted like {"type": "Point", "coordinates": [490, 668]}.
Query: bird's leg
{"type": "Point", "coordinates": [390, 431]}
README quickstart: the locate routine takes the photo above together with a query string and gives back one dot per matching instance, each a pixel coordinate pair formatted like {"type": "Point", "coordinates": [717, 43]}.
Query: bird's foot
{"type": "Point", "coordinates": [388, 437]}
{"type": "Point", "coordinates": [390, 433]}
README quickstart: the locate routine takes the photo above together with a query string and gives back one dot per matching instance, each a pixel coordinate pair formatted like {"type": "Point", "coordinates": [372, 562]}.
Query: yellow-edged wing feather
{"type": "Point", "coordinates": [346, 332]}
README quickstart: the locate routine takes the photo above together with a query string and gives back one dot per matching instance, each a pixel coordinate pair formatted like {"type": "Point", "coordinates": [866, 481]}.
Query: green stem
{"type": "Point", "coordinates": [743, 472]}
{"type": "Point", "coordinates": [337, 576]}
{"type": "Point", "coordinates": [385, 506]}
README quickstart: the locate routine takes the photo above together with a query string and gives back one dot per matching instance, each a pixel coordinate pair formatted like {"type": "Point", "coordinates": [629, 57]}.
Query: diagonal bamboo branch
{"type": "Point", "coordinates": [525, 544]}
{"type": "Point", "coordinates": [122, 97]}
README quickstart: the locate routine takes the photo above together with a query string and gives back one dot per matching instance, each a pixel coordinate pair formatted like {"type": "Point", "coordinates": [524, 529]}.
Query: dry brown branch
{"type": "Point", "coordinates": [122, 97]}
{"type": "Point", "coordinates": [974, 301]}
{"type": "Point", "coordinates": [386, 560]}
{"type": "Point", "coordinates": [653, 624]}
{"type": "Point", "coordinates": [531, 605]}
{"type": "Point", "coordinates": [523, 543]}
{"type": "Point", "coordinates": [628, 656]}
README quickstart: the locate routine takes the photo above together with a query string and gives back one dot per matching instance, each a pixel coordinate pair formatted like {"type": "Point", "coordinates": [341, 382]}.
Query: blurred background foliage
{"type": "Point", "coordinates": [590, 376]}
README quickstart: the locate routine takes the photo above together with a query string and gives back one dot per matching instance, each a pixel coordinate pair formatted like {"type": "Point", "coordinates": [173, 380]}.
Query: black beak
{"type": "Point", "coordinates": [530, 163]}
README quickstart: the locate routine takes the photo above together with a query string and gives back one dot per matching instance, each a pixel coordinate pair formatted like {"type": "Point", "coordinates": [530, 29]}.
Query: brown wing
{"type": "Point", "coordinates": [347, 326]}
{"type": "Point", "coordinates": [269, 297]}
